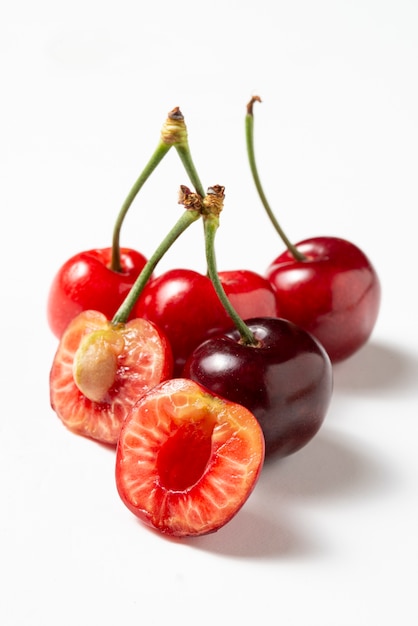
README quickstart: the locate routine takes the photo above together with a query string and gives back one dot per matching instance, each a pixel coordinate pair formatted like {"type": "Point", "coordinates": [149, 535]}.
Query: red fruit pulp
{"type": "Point", "coordinates": [333, 294]}
{"type": "Point", "coordinates": [144, 361]}
{"type": "Point", "coordinates": [186, 459]}
{"type": "Point", "coordinates": [86, 282]}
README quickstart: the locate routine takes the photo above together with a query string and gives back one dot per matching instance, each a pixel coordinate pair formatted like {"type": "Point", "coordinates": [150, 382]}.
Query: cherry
{"type": "Point", "coordinates": [184, 304]}
{"type": "Point", "coordinates": [250, 294]}
{"type": "Point", "coordinates": [87, 281]}
{"type": "Point", "coordinates": [284, 379]}
{"type": "Point", "coordinates": [187, 460]}
{"type": "Point", "coordinates": [327, 285]}
{"type": "Point", "coordinates": [100, 370]}
{"type": "Point", "coordinates": [334, 293]}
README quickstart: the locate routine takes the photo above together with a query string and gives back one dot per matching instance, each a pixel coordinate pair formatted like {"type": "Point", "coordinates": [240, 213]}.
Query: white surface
{"type": "Point", "coordinates": [329, 537]}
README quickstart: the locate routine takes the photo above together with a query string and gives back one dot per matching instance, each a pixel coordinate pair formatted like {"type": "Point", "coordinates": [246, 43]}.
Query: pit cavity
{"type": "Point", "coordinates": [184, 457]}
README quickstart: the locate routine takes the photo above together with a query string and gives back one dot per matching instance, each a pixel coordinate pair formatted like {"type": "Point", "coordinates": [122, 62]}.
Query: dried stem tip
{"type": "Point", "coordinates": [189, 199]}
{"type": "Point", "coordinates": [213, 202]}
{"type": "Point", "coordinates": [251, 104]}
{"type": "Point", "coordinates": [174, 129]}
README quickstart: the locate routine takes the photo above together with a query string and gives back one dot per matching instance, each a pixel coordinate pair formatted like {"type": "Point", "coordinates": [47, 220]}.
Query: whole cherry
{"type": "Point", "coordinates": [333, 292]}
{"type": "Point", "coordinates": [184, 304]}
{"type": "Point", "coordinates": [284, 379]}
{"type": "Point", "coordinates": [326, 285]}
{"type": "Point", "coordinates": [87, 281]}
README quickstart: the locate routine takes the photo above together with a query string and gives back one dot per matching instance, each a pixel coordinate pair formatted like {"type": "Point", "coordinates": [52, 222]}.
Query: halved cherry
{"type": "Point", "coordinates": [101, 369]}
{"type": "Point", "coordinates": [187, 460]}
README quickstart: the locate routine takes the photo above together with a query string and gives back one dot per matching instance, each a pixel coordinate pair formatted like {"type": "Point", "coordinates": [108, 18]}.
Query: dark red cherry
{"type": "Point", "coordinates": [184, 304]}
{"type": "Point", "coordinates": [334, 293]}
{"type": "Point", "coordinates": [285, 381]}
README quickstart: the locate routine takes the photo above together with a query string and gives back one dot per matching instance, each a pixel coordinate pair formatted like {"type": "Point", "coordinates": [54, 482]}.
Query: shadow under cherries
{"type": "Point", "coordinates": [377, 367]}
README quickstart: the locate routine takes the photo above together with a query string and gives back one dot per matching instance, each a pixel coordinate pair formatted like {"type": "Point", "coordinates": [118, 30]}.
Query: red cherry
{"type": "Point", "coordinates": [285, 380]}
{"type": "Point", "coordinates": [187, 460]}
{"type": "Point", "coordinates": [334, 293]}
{"type": "Point", "coordinates": [100, 370]}
{"type": "Point", "coordinates": [85, 281]}
{"type": "Point", "coordinates": [250, 294]}
{"type": "Point", "coordinates": [184, 304]}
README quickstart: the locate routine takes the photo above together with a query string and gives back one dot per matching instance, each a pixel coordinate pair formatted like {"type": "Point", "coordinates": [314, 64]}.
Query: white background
{"type": "Point", "coordinates": [329, 537]}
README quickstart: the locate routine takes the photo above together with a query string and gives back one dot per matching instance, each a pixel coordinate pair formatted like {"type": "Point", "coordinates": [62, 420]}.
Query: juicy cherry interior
{"type": "Point", "coordinates": [184, 456]}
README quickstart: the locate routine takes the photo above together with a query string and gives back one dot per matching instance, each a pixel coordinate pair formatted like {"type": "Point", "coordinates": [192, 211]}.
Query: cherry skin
{"type": "Point", "coordinates": [86, 282]}
{"type": "Point", "coordinates": [250, 294]}
{"type": "Point", "coordinates": [184, 304]}
{"type": "Point", "coordinates": [334, 293]}
{"type": "Point", "coordinates": [285, 381]}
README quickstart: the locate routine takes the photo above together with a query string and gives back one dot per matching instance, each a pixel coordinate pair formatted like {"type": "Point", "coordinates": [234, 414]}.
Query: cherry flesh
{"type": "Point", "coordinates": [100, 370]}
{"type": "Point", "coordinates": [285, 381]}
{"type": "Point", "coordinates": [334, 293]}
{"type": "Point", "coordinates": [186, 459]}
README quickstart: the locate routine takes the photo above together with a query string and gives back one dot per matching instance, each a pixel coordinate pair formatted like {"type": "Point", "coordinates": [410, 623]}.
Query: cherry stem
{"type": "Point", "coordinates": [189, 216]}
{"type": "Point", "coordinates": [183, 150]}
{"type": "Point", "coordinates": [173, 133]}
{"type": "Point", "coordinates": [156, 158]}
{"type": "Point", "coordinates": [211, 224]}
{"type": "Point", "coordinates": [249, 133]}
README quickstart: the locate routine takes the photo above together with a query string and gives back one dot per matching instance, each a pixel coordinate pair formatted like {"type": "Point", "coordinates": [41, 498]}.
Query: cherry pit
{"type": "Point", "coordinates": [197, 379]}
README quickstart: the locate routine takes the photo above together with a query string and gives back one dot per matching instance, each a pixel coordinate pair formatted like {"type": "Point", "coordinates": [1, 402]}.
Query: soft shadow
{"type": "Point", "coordinates": [258, 533]}
{"type": "Point", "coordinates": [377, 367]}
{"type": "Point", "coordinates": [330, 466]}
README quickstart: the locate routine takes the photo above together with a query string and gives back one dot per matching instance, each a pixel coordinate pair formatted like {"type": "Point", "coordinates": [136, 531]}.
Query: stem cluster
{"type": "Point", "coordinates": [197, 204]}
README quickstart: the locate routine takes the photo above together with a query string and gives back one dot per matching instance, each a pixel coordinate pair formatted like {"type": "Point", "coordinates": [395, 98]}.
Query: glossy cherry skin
{"type": "Point", "coordinates": [86, 282]}
{"type": "Point", "coordinates": [286, 381]}
{"type": "Point", "coordinates": [250, 294]}
{"type": "Point", "coordinates": [334, 294]}
{"type": "Point", "coordinates": [184, 304]}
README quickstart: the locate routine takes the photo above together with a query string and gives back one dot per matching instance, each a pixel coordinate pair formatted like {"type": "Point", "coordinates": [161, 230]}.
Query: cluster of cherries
{"type": "Point", "coordinates": [197, 379]}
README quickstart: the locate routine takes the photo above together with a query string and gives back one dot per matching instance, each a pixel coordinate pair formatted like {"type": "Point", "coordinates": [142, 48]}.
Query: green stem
{"type": "Point", "coordinates": [211, 224]}
{"type": "Point", "coordinates": [173, 133]}
{"type": "Point", "coordinates": [155, 159]}
{"type": "Point", "coordinates": [249, 133]}
{"type": "Point", "coordinates": [184, 153]}
{"type": "Point", "coordinates": [187, 218]}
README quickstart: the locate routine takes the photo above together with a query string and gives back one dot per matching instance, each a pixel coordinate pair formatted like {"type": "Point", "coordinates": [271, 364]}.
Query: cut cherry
{"type": "Point", "coordinates": [186, 459]}
{"type": "Point", "coordinates": [99, 371]}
